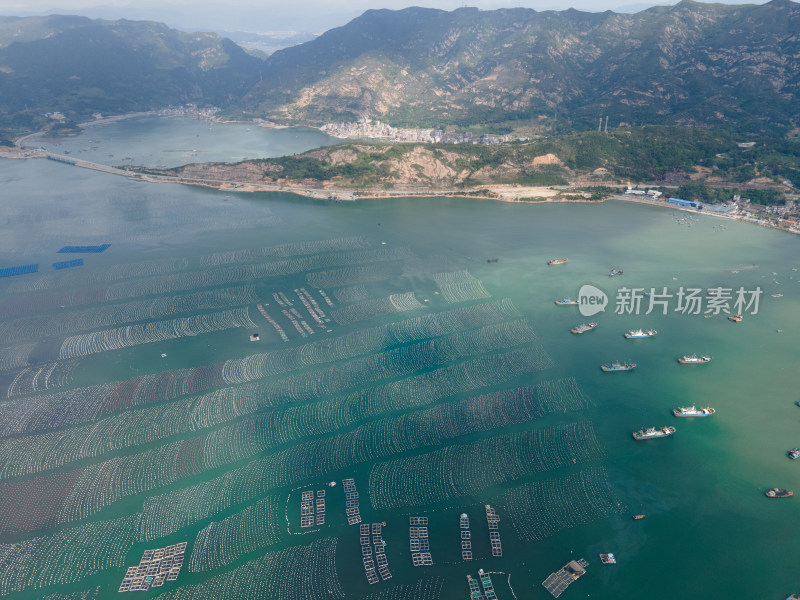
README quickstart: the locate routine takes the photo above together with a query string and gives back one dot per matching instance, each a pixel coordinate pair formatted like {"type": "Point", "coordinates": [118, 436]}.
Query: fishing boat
{"type": "Point", "coordinates": [778, 493]}
{"type": "Point", "coordinates": [618, 366]}
{"type": "Point", "coordinates": [650, 433]}
{"type": "Point", "coordinates": [567, 302]}
{"type": "Point", "coordinates": [636, 334]}
{"type": "Point", "coordinates": [736, 318]}
{"type": "Point", "coordinates": [638, 517]}
{"type": "Point", "coordinates": [615, 272]}
{"type": "Point", "coordinates": [691, 411]}
{"type": "Point", "coordinates": [693, 359]}
{"type": "Point", "coordinates": [583, 328]}
{"type": "Point", "coordinates": [608, 559]}
{"type": "Point", "coordinates": [794, 453]}
{"type": "Point", "coordinates": [556, 261]}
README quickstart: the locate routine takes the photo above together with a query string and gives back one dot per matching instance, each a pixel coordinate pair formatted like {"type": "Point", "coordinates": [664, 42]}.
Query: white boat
{"type": "Point", "coordinates": [692, 411]}
{"type": "Point", "coordinates": [693, 359]}
{"type": "Point", "coordinates": [636, 334]}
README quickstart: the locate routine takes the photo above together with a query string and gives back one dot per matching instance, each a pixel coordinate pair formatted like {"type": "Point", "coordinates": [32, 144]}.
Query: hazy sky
{"type": "Point", "coordinates": [271, 15]}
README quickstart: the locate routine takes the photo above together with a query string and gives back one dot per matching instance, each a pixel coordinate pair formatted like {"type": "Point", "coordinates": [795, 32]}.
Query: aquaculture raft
{"type": "Point", "coordinates": [84, 249]}
{"type": "Point", "coordinates": [557, 582]}
{"type": "Point", "coordinates": [418, 541]}
{"type": "Point", "coordinates": [494, 535]}
{"type": "Point", "coordinates": [20, 270]}
{"type": "Point", "coordinates": [66, 264]}
{"type": "Point", "coordinates": [351, 502]}
{"type": "Point", "coordinates": [466, 538]}
{"type": "Point", "coordinates": [155, 567]}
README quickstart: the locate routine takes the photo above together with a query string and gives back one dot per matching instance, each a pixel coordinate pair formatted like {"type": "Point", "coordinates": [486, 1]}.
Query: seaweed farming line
{"type": "Point", "coordinates": [346, 276]}
{"type": "Point", "coordinates": [191, 280]}
{"type": "Point", "coordinates": [284, 251]}
{"type": "Point", "coordinates": [42, 378]}
{"type": "Point", "coordinates": [226, 275]}
{"type": "Point", "coordinates": [15, 357]}
{"type": "Point", "coordinates": [169, 265]}
{"type": "Point", "coordinates": [94, 594]}
{"type": "Point", "coordinates": [98, 275]}
{"type": "Point", "coordinates": [91, 403]}
{"type": "Point", "coordinates": [67, 555]}
{"type": "Point", "coordinates": [34, 328]}
{"type": "Point", "coordinates": [370, 309]}
{"type": "Point", "coordinates": [354, 293]}
{"type": "Point", "coordinates": [311, 460]}
{"type": "Point", "coordinates": [222, 542]}
{"type": "Point", "coordinates": [429, 588]}
{"type": "Point", "coordinates": [421, 480]}
{"type": "Point", "coordinates": [460, 286]}
{"type": "Point", "coordinates": [541, 509]}
{"type": "Point", "coordinates": [34, 453]}
{"type": "Point", "coordinates": [159, 331]}
{"type": "Point", "coordinates": [288, 574]}
{"type": "Point", "coordinates": [63, 497]}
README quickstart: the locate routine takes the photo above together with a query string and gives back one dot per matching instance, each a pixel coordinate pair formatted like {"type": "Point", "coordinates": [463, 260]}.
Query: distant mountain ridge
{"type": "Point", "coordinates": [78, 66]}
{"type": "Point", "coordinates": [731, 65]}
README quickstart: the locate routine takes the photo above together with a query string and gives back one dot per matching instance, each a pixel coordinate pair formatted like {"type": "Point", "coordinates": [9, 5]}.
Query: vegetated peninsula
{"type": "Point", "coordinates": [705, 165]}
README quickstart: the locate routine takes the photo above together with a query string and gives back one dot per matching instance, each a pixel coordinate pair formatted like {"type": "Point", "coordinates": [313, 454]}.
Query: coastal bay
{"type": "Point", "coordinates": [461, 336]}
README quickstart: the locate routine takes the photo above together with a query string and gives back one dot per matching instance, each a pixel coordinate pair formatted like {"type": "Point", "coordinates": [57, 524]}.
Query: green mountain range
{"type": "Point", "coordinates": [80, 66]}
{"type": "Point", "coordinates": [692, 64]}
{"type": "Point", "coordinates": [688, 64]}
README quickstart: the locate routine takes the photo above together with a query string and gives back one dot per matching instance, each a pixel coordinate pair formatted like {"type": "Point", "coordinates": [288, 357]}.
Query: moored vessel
{"type": "Point", "coordinates": [638, 517]}
{"type": "Point", "coordinates": [778, 493]}
{"type": "Point", "coordinates": [635, 334]}
{"type": "Point", "coordinates": [615, 272]}
{"type": "Point", "coordinates": [567, 302]}
{"type": "Point", "coordinates": [650, 433]}
{"type": "Point", "coordinates": [583, 328]}
{"type": "Point", "coordinates": [736, 318]}
{"type": "Point", "coordinates": [556, 261]}
{"type": "Point", "coordinates": [693, 359]}
{"type": "Point", "coordinates": [794, 453]}
{"type": "Point", "coordinates": [608, 559]}
{"type": "Point", "coordinates": [691, 411]}
{"type": "Point", "coordinates": [618, 366]}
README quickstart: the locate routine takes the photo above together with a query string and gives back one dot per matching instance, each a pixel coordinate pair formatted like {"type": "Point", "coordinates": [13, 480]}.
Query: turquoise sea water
{"type": "Point", "coordinates": [172, 141]}
{"type": "Point", "coordinates": [136, 413]}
